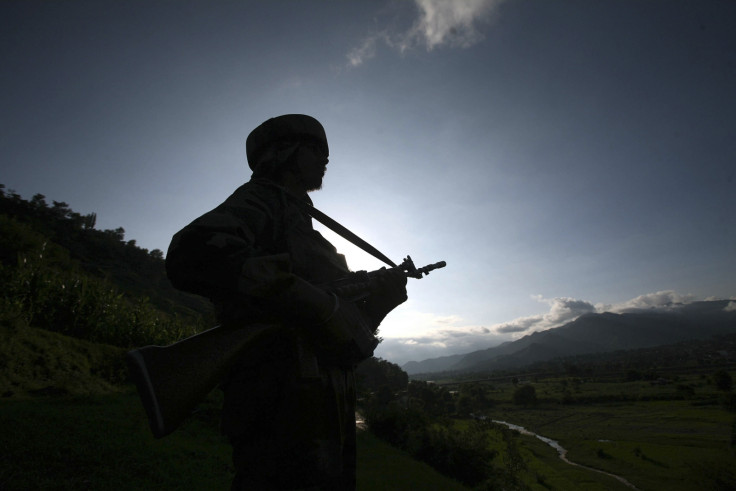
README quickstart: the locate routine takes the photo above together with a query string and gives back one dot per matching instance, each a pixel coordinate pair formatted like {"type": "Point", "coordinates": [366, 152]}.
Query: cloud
{"type": "Point", "coordinates": [660, 300]}
{"type": "Point", "coordinates": [562, 311]}
{"type": "Point", "coordinates": [436, 343]}
{"type": "Point", "coordinates": [450, 23]}
{"type": "Point", "coordinates": [456, 24]}
{"type": "Point", "coordinates": [437, 336]}
{"type": "Point", "coordinates": [432, 337]}
{"type": "Point", "coordinates": [365, 51]}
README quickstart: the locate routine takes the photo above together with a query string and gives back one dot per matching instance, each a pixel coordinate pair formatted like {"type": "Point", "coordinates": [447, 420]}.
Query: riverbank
{"type": "Point", "coordinates": [562, 452]}
{"type": "Point", "coordinates": [675, 445]}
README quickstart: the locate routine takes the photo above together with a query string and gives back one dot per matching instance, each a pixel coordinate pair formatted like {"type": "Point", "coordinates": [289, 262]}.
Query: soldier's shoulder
{"type": "Point", "coordinates": [260, 193]}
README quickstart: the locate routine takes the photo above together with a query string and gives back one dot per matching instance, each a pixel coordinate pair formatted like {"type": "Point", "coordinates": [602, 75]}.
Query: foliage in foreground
{"type": "Point", "coordinates": [37, 361]}
{"type": "Point", "coordinates": [70, 421]}
{"type": "Point", "coordinates": [461, 454]}
{"type": "Point", "coordinates": [103, 443]}
{"type": "Point", "coordinates": [44, 287]}
{"type": "Point", "coordinates": [59, 273]}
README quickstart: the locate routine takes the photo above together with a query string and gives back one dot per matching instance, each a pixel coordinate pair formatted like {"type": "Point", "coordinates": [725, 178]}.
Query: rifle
{"type": "Point", "coordinates": [172, 380]}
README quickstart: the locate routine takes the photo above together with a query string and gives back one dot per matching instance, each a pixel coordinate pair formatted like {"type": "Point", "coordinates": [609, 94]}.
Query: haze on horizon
{"type": "Point", "coordinates": [562, 157]}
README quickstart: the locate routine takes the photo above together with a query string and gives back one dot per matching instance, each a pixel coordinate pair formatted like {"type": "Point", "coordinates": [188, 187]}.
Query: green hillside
{"type": "Point", "coordinates": [70, 421]}
{"type": "Point", "coordinates": [59, 273]}
{"type": "Point", "coordinates": [69, 310]}
{"type": "Point", "coordinates": [73, 300]}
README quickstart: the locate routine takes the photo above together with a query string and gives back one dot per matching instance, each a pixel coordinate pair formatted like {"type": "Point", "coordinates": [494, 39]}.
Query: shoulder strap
{"type": "Point", "coordinates": [331, 224]}
{"type": "Point", "coordinates": [339, 229]}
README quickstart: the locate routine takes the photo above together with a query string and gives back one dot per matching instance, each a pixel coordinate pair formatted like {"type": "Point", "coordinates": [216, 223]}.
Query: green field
{"type": "Point", "coordinates": [654, 439]}
{"type": "Point", "coordinates": [70, 422]}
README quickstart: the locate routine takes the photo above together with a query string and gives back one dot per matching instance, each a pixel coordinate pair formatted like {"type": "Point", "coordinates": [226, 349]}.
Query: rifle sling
{"type": "Point", "coordinates": [340, 230]}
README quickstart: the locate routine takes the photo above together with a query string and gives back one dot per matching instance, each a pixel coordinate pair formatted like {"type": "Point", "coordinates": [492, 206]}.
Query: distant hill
{"type": "Point", "coordinates": [594, 333]}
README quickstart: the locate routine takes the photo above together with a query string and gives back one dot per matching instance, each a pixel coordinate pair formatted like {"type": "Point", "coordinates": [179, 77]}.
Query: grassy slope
{"type": "Point", "coordinates": [67, 422]}
{"type": "Point", "coordinates": [36, 361]}
{"type": "Point", "coordinates": [102, 442]}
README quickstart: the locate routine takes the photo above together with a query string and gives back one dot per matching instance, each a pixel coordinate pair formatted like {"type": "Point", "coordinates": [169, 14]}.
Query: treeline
{"type": "Point", "coordinates": [102, 253]}
{"type": "Point", "coordinates": [693, 356]}
{"type": "Point", "coordinates": [58, 272]}
{"type": "Point", "coordinates": [448, 426]}
{"type": "Point", "coordinates": [449, 430]}
{"type": "Point", "coordinates": [422, 419]}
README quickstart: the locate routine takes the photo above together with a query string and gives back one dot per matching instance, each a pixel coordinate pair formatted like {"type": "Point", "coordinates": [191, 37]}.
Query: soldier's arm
{"type": "Point", "coordinates": [207, 256]}
{"type": "Point", "coordinates": [221, 256]}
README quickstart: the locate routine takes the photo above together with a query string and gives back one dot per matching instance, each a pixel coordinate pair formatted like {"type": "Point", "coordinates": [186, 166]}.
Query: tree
{"type": "Point", "coordinates": [633, 375]}
{"type": "Point", "coordinates": [39, 201]}
{"type": "Point", "coordinates": [90, 221]}
{"type": "Point", "coordinates": [373, 372]}
{"type": "Point", "coordinates": [472, 397]}
{"type": "Point", "coordinates": [525, 395]}
{"type": "Point", "coordinates": [60, 209]}
{"type": "Point", "coordinates": [464, 405]}
{"type": "Point", "coordinates": [723, 380]}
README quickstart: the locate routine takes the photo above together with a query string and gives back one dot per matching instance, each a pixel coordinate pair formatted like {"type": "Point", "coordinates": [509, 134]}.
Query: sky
{"type": "Point", "coordinates": [562, 157]}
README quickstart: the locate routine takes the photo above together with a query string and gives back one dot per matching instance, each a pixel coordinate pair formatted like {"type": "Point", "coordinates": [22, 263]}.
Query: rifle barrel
{"type": "Point", "coordinates": [426, 269]}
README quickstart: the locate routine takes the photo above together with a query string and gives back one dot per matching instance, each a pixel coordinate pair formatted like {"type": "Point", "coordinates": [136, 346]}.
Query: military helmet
{"type": "Point", "coordinates": [288, 126]}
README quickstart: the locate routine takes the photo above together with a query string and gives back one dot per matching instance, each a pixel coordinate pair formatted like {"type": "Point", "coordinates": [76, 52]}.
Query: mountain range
{"type": "Point", "coordinates": [595, 333]}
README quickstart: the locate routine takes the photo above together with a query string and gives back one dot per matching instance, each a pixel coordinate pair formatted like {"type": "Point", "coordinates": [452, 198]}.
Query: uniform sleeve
{"type": "Point", "coordinates": [232, 255]}
{"type": "Point", "coordinates": [207, 256]}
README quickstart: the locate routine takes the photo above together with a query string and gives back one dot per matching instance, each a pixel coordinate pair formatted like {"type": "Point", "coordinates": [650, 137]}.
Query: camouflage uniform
{"type": "Point", "coordinates": [288, 413]}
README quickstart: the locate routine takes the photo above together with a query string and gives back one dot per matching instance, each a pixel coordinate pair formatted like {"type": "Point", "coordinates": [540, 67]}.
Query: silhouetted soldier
{"type": "Point", "coordinates": [289, 409]}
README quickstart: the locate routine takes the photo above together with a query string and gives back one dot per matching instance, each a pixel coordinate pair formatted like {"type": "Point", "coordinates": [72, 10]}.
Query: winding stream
{"type": "Point", "coordinates": [561, 451]}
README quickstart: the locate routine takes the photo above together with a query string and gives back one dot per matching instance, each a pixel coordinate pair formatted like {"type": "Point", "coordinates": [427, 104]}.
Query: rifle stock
{"type": "Point", "coordinates": [172, 380]}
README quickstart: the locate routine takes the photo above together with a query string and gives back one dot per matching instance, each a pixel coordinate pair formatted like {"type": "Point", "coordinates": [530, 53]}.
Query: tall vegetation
{"type": "Point", "coordinates": [58, 272]}
{"type": "Point", "coordinates": [414, 416]}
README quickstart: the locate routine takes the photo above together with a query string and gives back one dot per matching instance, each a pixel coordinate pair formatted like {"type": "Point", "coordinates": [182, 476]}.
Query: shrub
{"type": "Point", "coordinates": [461, 454]}
{"type": "Point", "coordinates": [723, 380]}
{"type": "Point", "coordinates": [68, 301]}
{"type": "Point", "coordinates": [525, 395]}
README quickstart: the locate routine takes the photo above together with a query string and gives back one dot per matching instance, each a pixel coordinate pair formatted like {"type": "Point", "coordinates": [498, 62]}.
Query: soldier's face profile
{"type": "Point", "coordinates": [312, 165]}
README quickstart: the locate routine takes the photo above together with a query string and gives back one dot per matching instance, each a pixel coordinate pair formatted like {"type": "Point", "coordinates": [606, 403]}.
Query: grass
{"type": "Point", "coordinates": [383, 467]}
{"type": "Point", "coordinates": [68, 421]}
{"type": "Point", "coordinates": [653, 443]}
{"type": "Point", "coordinates": [37, 361]}
{"type": "Point", "coordinates": [103, 442]}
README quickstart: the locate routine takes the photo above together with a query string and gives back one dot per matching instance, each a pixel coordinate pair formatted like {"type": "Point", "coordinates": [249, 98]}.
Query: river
{"type": "Point", "coordinates": [561, 451]}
